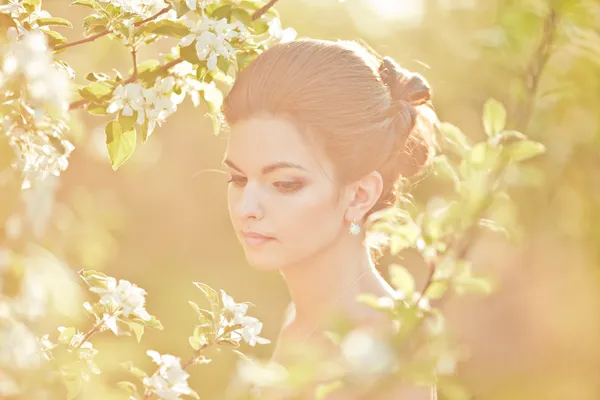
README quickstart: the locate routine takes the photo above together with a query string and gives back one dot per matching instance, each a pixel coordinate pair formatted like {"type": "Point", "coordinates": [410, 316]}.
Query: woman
{"type": "Point", "coordinates": [320, 132]}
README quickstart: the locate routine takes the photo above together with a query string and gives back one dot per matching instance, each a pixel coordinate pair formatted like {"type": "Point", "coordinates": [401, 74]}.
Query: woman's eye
{"type": "Point", "coordinates": [287, 187]}
{"type": "Point", "coordinates": [237, 181]}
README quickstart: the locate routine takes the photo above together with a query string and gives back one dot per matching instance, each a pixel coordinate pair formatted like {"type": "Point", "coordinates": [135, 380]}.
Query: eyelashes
{"type": "Point", "coordinates": [281, 186]}
{"type": "Point", "coordinates": [237, 181]}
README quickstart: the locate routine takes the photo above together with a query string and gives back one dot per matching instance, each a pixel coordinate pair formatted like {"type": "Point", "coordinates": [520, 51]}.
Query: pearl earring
{"type": "Point", "coordinates": [354, 228]}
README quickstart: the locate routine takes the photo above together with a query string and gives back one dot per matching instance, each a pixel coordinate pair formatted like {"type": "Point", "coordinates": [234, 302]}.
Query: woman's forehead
{"type": "Point", "coordinates": [261, 141]}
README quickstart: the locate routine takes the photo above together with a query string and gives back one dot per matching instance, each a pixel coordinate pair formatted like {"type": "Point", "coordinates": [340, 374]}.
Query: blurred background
{"type": "Point", "coordinates": [161, 220]}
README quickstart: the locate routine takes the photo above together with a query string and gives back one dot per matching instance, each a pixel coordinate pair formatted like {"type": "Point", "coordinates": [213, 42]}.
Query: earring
{"type": "Point", "coordinates": [354, 228]}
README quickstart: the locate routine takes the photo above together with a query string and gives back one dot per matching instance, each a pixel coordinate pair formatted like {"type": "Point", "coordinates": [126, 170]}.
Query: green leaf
{"type": "Point", "coordinates": [94, 24]}
{"type": "Point", "coordinates": [436, 290]}
{"type": "Point", "coordinates": [120, 144]}
{"type": "Point", "coordinates": [209, 293]}
{"type": "Point", "coordinates": [127, 122]}
{"type": "Point", "coordinates": [509, 136]}
{"type": "Point", "coordinates": [154, 323]}
{"type": "Point", "coordinates": [223, 64]}
{"type": "Point", "coordinates": [94, 278]}
{"type": "Point", "coordinates": [96, 77]}
{"type": "Point", "coordinates": [73, 385]}
{"type": "Point", "coordinates": [230, 342]}
{"type": "Point", "coordinates": [368, 299]}
{"type": "Point", "coordinates": [32, 5]}
{"type": "Point", "coordinates": [129, 367]}
{"type": "Point", "coordinates": [54, 21]}
{"type": "Point", "coordinates": [205, 315]}
{"type": "Point", "coordinates": [494, 117]}
{"type": "Point", "coordinates": [96, 109]}
{"type": "Point", "coordinates": [167, 27]}
{"type": "Point", "coordinates": [325, 389]}
{"type": "Point", "coordinates": [128, 387]}
{"type": "Point", "coordinates": [472, 284]}
{"type": "Point", "coordinates": [137, 329]}
{"type": "Point", "coordinates": [453, 135]}
{"type": "Point", "coordinates": [96, 91]}
{"type": "Point", "coordinates": [66, 335]}
{"type": "Point", "coordinates": [222, 12]}
{"type": "Point", "coordinates": [197, 342]}
{"type": "Point", "coordinates": [6, 22]}
{"type": "Point", "coordinates": [242, 15]}
{"type": "Point", "coordinates": [443, 168]}
{"type": "Point", "coordinates": [188, 53]}
{"type": "Point", "coordinates": [145, 131]}
{"type": "Point", "coordinates": [180, 7]}
{"type": "Point", "coordinates": [55, 39]}
{"type": "Point", "coordinates": [260, 26]}
{"type": "Point", "coordinates": [244, 58]}
{"type": "Point", "coordinates": [401, 279]}
{"type": "Point", "coordinates": [150, 70]}
{"type": "Point", "coordinates": [216, 123]}
{"type": "Point", "coordinates": [87, 3]}
{"type": "Point", "coordinates": [231, 328]}
{"type": "Point", "coordinates": [524, 150]}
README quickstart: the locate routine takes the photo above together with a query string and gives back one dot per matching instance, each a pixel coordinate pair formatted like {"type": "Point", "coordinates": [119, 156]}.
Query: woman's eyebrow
{"type": "Point", "coordinates": [268, 168]}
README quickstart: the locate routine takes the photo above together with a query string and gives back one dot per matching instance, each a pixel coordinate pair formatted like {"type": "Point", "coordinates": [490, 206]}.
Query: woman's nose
{"type": "Point", "coordinates": [249, 203]}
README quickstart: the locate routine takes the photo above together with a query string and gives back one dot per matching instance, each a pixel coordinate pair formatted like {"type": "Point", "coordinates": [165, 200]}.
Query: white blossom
{"type": "Point", "coordinates": [129, 99]}
{"type": "Point", "coordinates": [238, 310]}
{"type": "Point", "coordinates": [185, 78]}
{"type": "Point", "coordinates": [30, 57]}
{"type": "Point", "coordinates": [170, 380]}
{"type": "Point", "coordinates": [37, 154]}
{"type": "Point", "coordinates": [251, 327]}
{"type": "Point", "coordinates": [20, 347]}
{"type": "Point", "coordinates": [446, 365]}
{"type": "Point", "coordinates": [143, 8]}
{"type": "Point", "coordinates": [46, 346]}
{"type": "Point", "coordinates": [153, 104]}
{"type": "Point", "coordinates": [280, 34]}
{"type": "Point", "coordinates": [251, 330]}
{"type": "Point", "coordinates": [261, 375]}
{"type": "Point", "coordinates": [126, 296]}
{"type": "Point", "coordinates": [364, 354]}
{"type": "Point", "coordinates": [212, 39]}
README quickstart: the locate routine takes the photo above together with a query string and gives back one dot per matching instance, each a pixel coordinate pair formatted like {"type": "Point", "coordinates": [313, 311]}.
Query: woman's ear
{"type": "Point", "coordinates": [364, 194]}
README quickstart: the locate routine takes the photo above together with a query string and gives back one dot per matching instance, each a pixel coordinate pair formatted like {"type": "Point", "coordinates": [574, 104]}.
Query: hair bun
{"type": "Point", "coordinates": [403, 84]}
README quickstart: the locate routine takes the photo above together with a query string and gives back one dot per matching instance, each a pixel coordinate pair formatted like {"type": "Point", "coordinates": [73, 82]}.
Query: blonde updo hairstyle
{"type": "Point", "coordinates": [367, 113]}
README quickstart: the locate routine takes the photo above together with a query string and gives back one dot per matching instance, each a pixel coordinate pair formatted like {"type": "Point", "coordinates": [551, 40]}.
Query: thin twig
{"type": "Point", "coordinates": [134, 59]}
{"type": "Point", "coordinates": [158, 14]}
{"type": "Point", "coordinates": [82, 41]}
{"type": "Point", "coordinates": [107, 31]}
{"type": "Point", "coordinates": [260, 12]}
{"type": "Point", "coordinates": [88, 335]}
{"type": "Point", "coordinates": [536, 66]}
{"type": "Point", "coordinates": [195, 357]}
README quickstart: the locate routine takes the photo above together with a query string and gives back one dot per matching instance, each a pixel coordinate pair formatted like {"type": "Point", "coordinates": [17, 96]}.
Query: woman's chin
{"type": "Point", "coordinates": [263, 260]}
{"type": "Point", "coordinates": [263, 263]}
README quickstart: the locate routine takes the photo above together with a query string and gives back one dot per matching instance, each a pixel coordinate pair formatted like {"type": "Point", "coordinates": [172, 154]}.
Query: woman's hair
{"type": "Point", "coordinates": [367, 114]}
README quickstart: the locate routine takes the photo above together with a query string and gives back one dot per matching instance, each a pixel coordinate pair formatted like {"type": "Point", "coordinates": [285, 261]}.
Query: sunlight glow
{"type": "Point", "coordinates": [378, 17]}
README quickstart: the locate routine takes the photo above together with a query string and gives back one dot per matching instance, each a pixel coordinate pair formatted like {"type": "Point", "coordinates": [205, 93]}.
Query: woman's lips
{"type": "Point", "coordinates": [255, 239]}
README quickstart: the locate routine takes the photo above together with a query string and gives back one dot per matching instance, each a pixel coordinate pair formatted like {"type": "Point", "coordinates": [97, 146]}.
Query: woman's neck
{"type": "Point", "coordinates": [332, 280]}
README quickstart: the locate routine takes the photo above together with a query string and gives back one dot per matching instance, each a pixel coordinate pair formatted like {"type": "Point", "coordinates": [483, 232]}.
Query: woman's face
{"type": "Point", "coordinates": [283, 201]}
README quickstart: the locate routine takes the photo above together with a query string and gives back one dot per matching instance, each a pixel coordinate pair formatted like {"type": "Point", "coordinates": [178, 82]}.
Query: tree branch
{"type": "Point", "coordinates": [260, 12]}
{"type": "Point", "coordinates": [83, 102]}
{"type": "Point", "coordinates": [106, 32]}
